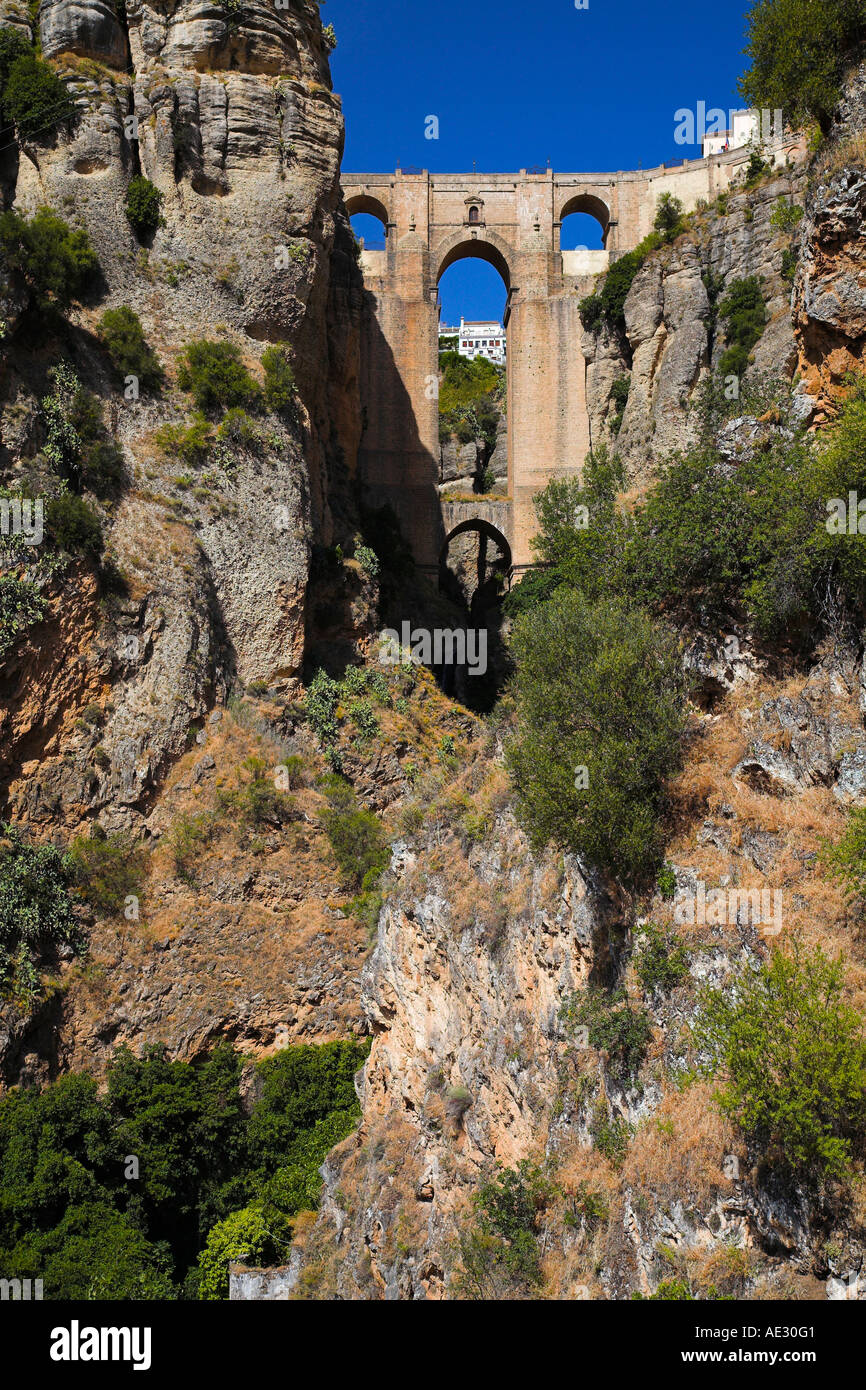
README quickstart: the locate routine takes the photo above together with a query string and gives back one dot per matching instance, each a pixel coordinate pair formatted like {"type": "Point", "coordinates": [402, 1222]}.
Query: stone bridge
{"type": "Point", "coordinates": [513, 221]}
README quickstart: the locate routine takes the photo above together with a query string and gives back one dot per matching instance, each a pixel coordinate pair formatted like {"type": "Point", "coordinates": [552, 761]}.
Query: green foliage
{"type": "Point", "coordinates": [786, 215]}
{"type": "Point", "coordinates": [242, 1236]}
{"type": "Point", "coordinates": [798, 53]}
{"type": "Point", "coordinates": [536, 587]}
{"type": "Point", "coordinates": [619, 394]}
{"type": "Point", "coordinates": [74, 526]}
{"type": "Point", "coordinates": [357, 836]}
{"type": "Point", "coordinates": [216, 376]}
{"type": "Point", "coordinates": [610, 1134]}
{"type": "Point", "coordinates": [192, 445]}
{"type": "Point", "coordinates": [55, 262]}
{"type": "Point", "coordinates": [71, 1213]}
{"type": "Point", "coordinates": [793, 1059]}
{"type": "Point", "coordinates": [105, 870]}
{"type": "Point", "coordinates": [608, 306]}
{"type": "Point", "coordinates": [239, 429]}
{"type": "Point", "coordinates": [323, 696]}
{"type": "Point", "coordinates": [143, 206]}
{"type": "Point", "coordinates": [257, 803]}
{"type": "Point", "coordinates": [669, 217]}
{"type": "Point", "coordinates": [33, 96]}
{"type": "Point", "coordinates": [614, 1027]}
{"type": "Point", "coordinates": [123, 336]}
{"type": "Point", "coordinates": [745, 315]}
{"type": "Point", "coordinates": [188, 837]}
{"type": "Point", "coordinates": [846, 860]}
{"type": "Point", "coordinates": [662, 962]}
{"type": "Point", "coordinates": [499, 1249]}
{"type": "Point", "coordinates": [788, 267]}
{"type": "Point", "coordinates": [600, 688]}
{"type": "Point", "coordinates": [77, 445]}
{"type": "Point", "coordinates": [471, 398]}
{"type": "Point", "coordinates": [708, 540]}
{"type": "Point", "coordinates": [368, 560]}
{"type": "Point", "coordinates": [35, 911]}
{"type": "Point", "coordinates": [280, 386]}
{"type": "Point", "coordinates": [21, 606]}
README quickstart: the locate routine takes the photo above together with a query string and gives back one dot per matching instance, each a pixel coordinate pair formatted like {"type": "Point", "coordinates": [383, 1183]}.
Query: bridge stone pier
{"type": "Point", "coordinates": [513, 221]}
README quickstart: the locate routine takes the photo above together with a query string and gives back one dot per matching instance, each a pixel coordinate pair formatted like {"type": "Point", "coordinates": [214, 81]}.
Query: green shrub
{"type": "Point", "coordinates": [238, 429]}
{"type": "Point", "coordinates": [614, 1027]}
{"type": "Point", "coordinates": [662, 962]}
{"type": "Point", "coordinates": [368, 560]}
{"type": "Point", "coordinates": [105, 870]}
{"type": "Point", "coordinates": [591, 311]}
{"type": "Point", "coordinates": [35, 98]}
{"type": "Point", "coordinates": [123, 336]}
{"type": "Point", "coordinates": [500, 1249]}
{"type": "Point", "coordinates": [74, 526]}
{"type": "Point", "coordinates": [669, 216]}
{"type": "Point", "coordinates": [21, 606]}
{"type": "Point", "coordinates": [619, 394]}
{"type": "Point", "coordinates": [846, 860]}
{"type": "Point", "coordinates": [599, 688]}
{"type": "Point", "coordinates": [785, 215]}
{"type": "Point", "coordinates": [280, 388]}
{"type": "Point", "coordinates": [357, 837]}
{"type": "Point", "coordinates": [189, 836]}
{"type": "Point", "coordinates": [216, 376]}
{"type": "Point", "coordinates": [55, 262]}
{"type": "Point", "coordinates": [143, 206]}
{"type": "Point", "coordinates": [257, 802]}
{"type": "Point", "coordinates": [798, 54]}
{"type": "Point", "coordinates": [744, 314]}
{"type": "Point", "coordinates": [793, 1060]}
{"type": "Point", "coordinates": [242, 1236]}
{"type": "Point", "coordinates": [35, 911]}
{"type": "Point", "coordinates": [192, 445]}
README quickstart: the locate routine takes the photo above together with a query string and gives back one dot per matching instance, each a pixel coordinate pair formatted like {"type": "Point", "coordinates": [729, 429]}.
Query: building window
{"type": "Point", "coordinates": [473, 214]}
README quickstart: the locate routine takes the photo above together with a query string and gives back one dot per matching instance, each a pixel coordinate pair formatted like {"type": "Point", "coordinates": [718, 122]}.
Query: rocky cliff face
{"type": "Point", "coordinates": [231, 116]}
{"type": "Point", "coordinates": [210, 587]}
{"type": "Point", "coordinates": [672, 342]}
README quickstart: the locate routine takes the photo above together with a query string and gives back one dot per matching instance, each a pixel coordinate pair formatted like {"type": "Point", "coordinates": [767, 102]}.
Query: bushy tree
{"type": "Point", "coordinates": [74, 526]}
{"type": "Point", "coordinates": [600, 717]}
{"type": "Point", "coordinates": [55, 262]}
{"type": "Point", "coordinates": [36, 913]}
{"type": "Point", "coordinates": [215, 375]}
{"type": "Point", "coordinates": [798, 50]}
{"type": "Point", "coordinates": [357, 837]}
{"type": "Point", "coordinates": [143, 206]}
{"type": "Point", "coordinates": [280, 387]}
{"type": "Point", "coordinates": [793, 1061]}
{"type": "Point", "coordinates": [669, 216]}
{"type": "Point", "coordinates": [121, 331]}
{"type": "Point", "coordinates": [35, 98]}
{"type": "Point", "coordinates": [499, 1247]}
{"type": "Point", "coordinates": [21, 606]}
{"type": "Point", "coordinates": [244, 1237]}
{"type": "Point", "coordinates": [744, 315]}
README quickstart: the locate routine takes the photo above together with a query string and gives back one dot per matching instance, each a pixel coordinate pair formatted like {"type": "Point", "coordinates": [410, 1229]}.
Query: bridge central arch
{"type": "Point", "coordinates": [459, 247]}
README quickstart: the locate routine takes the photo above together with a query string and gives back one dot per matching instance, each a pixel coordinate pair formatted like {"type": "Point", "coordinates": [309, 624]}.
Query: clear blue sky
{"type": "Point", "coordinates": [515, 84]}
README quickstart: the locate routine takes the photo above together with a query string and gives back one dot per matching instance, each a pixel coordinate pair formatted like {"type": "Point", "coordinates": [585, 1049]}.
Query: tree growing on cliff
{"type": "Point", "coordinates": [55, 261]}
{"type": "Point", "coordinates": [32, 96]}
{"type": "Point", "coordinates": [798, 51]}
{"type": "Point", "coordinates": [600, 718]}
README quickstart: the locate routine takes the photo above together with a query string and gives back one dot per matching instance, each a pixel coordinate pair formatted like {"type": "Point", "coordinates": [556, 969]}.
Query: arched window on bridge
{"type": "Point", "coordinates": [369, 220]}
{"type": "Point", "coordinates": [585, 221]}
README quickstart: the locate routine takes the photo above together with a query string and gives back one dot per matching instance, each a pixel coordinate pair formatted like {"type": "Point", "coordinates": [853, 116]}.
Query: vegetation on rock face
{"type": "Point", "coordinates": [143, 204]}
{"type": "Point", "coordinates": [793, 1059]}
{"type": "Point", "coordinates": [798, 54]}
{"type": "Point", "coordinates": [121, 331]}
{"type": "Point", "coordinates": [209, 1182]}
{"type": "Point", "coordinates": [357, 837]}
{"type": "Point", "coordinates": [600, 713]}
{"type": "Point", "coordinates": [55, 262]}
{"type": "Point", "coordinates": [499, 1247]}
{"type": "Point", "coordinates": [280, 386]}
{"type": "Point", "coordinates": [471, 398]}
{"type": "Point", "coordinates": [32, 96]}
{"type": "Point", "coordinates": [36, 916]}
{"type": "Point", "coordinates": [21, 607]}
{"type": "Point", "coordinates": [608, 305]}
{"type": "Point", "coordinates": [215, 375]}
{"type": "Point", "coordinates": [744, 315]}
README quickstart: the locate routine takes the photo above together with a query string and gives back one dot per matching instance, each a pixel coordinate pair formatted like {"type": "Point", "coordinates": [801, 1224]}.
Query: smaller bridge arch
{"type": "Point", "coordinates": [476, 523]}
{"type": "Point", "coordinates": [591, 204]}
{"type": "Point", "coordinates": [365, 202]}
